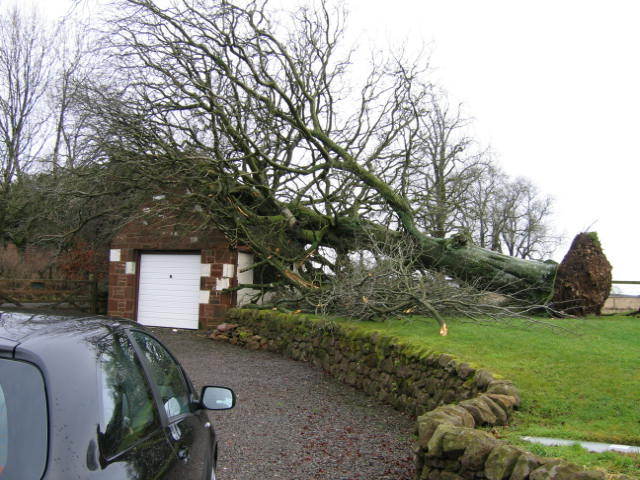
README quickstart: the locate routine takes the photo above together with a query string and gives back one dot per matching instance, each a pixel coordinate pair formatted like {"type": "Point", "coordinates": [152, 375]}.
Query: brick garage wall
{"type": "Point", "coordinates": [165, 235]}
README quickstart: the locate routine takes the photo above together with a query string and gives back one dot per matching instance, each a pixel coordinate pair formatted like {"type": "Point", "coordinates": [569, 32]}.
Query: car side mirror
{"type": "Point", "coordinates": [217, 398]}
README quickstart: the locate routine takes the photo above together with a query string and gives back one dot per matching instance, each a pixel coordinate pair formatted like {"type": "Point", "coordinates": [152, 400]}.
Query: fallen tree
{"type": "Point", "coordinates": [253, 123]}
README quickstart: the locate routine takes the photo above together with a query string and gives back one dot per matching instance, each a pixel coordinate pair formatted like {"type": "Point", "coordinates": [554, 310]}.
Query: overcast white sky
{"type": "Point", "coordinates": [554, 88]}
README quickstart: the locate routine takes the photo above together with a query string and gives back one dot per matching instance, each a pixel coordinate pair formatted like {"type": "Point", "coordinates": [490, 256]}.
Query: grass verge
{"type": "Point", "coordinates": [580, 381]}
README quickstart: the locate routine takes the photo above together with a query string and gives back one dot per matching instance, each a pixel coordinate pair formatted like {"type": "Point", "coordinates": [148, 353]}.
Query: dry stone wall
{"type": "Point", "coordinates": [450, 398]}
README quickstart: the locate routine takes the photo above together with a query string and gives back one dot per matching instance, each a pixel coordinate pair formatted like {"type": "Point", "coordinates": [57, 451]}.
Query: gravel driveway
{"type": "Point", "coordinates": [292, 421]}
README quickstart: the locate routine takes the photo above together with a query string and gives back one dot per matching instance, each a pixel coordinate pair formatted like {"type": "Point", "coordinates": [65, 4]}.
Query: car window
{"type": "Point", "coordinates": [166, 374]}
{"type": "Point", "coordinates": [23, 421]}
{"type": "Point", "coordinates": [128, 410]}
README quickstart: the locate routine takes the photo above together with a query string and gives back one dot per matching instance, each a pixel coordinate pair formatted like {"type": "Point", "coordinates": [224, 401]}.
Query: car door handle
{"type": "Point", "coordinates": [183, 454]}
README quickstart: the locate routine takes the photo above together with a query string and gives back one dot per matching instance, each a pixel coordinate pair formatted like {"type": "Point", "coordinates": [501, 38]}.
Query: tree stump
{"type": "Point", "coordinates": [583, 279]}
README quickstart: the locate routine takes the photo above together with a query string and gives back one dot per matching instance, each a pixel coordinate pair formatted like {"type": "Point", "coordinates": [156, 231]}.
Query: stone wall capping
{"type": "Point", "coordinates": [480, 444]}
{"type": "Point", "coordinates": [504, 387]}
{"type": "Point", "coordinates": [445, 360]}
{"type": "Point", "coordinates": [501, 462]}
{"type": "Point", "coordinates": [502, 416]}
{"type": "Point", "coordinates": [450, 398]}
{"type": "Point", "coordinates": [465, 370]}
{"type": "Point", "coordinates": [483, 378]}
{"type": "Point", "coordinates": [480, 411]}
{"type": "Point", "coordinates": [526, 463]}
{"type": "Point", "coordinates": [507, 402]}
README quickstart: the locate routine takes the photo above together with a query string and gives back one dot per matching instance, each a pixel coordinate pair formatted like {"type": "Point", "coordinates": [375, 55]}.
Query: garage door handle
{"type": "Point", "coordinates": [183, 454]}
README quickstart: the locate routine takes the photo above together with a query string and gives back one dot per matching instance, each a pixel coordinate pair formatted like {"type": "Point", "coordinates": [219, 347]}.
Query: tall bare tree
{"type": "Point", "coordinates": [445, 166]}
{"type": "Point", "coordinates": [525, 232]}
{"type": "Point", "coordinates": [74, 64]}
{"type": "Point", "coordinates": [509, 216]}
{"type": "Point", "coordinates": [480, 219]}
{"type": "Point", "coordinates": [24, 77]}
{"type": "Point", "coordinates": [25, 47]}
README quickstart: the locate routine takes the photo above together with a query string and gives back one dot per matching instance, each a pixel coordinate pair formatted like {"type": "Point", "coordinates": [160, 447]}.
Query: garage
{"type": "Point", "coordinates": [169, 290]}
{"type": "Point", "coordinates": [162, 273]}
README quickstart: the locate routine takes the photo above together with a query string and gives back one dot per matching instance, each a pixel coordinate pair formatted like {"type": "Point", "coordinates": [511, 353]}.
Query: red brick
{"type": "Point", "coordinates": [116, 268]}
{"type": "Point", "coordinates": [116, 292]}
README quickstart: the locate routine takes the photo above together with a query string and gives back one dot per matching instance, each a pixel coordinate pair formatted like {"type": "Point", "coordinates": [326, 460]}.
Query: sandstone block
{"type": "Point", "coordinates": [482, 414]}
{"type": "Point", "coordinates": [466, 419]}
{"type": "Point", "coordinates": [483, 378]}
{"type": "Point", "coordinates": [450, 476]}
{"type": "Point", "coordinates": [565, 471]}
{"type": "Point", "coordinates": [526, 464]}
{"type": "Point", "coordinates": [434, 446]}
{"type": "Point", "coordinates": [501, 462]}
{"type": "Point", "coordinates": [464, 370]}
{"type": "Point", "coordinates": [507, 402]}
{"type": "Point", "coordinates": [504, 387]}
{"type": "Point", "coordinates": [558, 469]}
{"type": "Point", "coordinates": [479, 446]}
{"type": "Point", "coordinates": [497, 410]}
{"type": "Point", "coordinates": [225, 327]}
{"type": "Point", "coordinates": [445, 360]}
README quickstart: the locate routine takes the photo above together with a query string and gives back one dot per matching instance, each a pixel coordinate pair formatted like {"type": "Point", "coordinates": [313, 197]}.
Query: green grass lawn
{"type": "Point", "coordinates": [580, 381]}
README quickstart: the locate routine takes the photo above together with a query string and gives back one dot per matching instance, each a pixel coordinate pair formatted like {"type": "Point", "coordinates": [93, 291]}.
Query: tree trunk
{"type": "Point", "coordinates": [528, 280]}
{"type": "Point", "coordinates": [578, 286]}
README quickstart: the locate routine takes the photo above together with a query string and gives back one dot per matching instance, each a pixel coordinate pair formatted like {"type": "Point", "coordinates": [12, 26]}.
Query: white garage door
{"type": "Point", "coordinates": [169, 290]}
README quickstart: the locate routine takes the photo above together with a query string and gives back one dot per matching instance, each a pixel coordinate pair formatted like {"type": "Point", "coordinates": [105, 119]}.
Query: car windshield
{"type": "Point", "coordinates": [23, 421]}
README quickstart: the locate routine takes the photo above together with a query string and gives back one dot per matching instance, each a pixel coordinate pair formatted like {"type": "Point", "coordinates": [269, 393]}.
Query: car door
{"type": "Point", "coordinates": [187, 428]}
{"type": "Point", "coordinates": [131, 440]}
